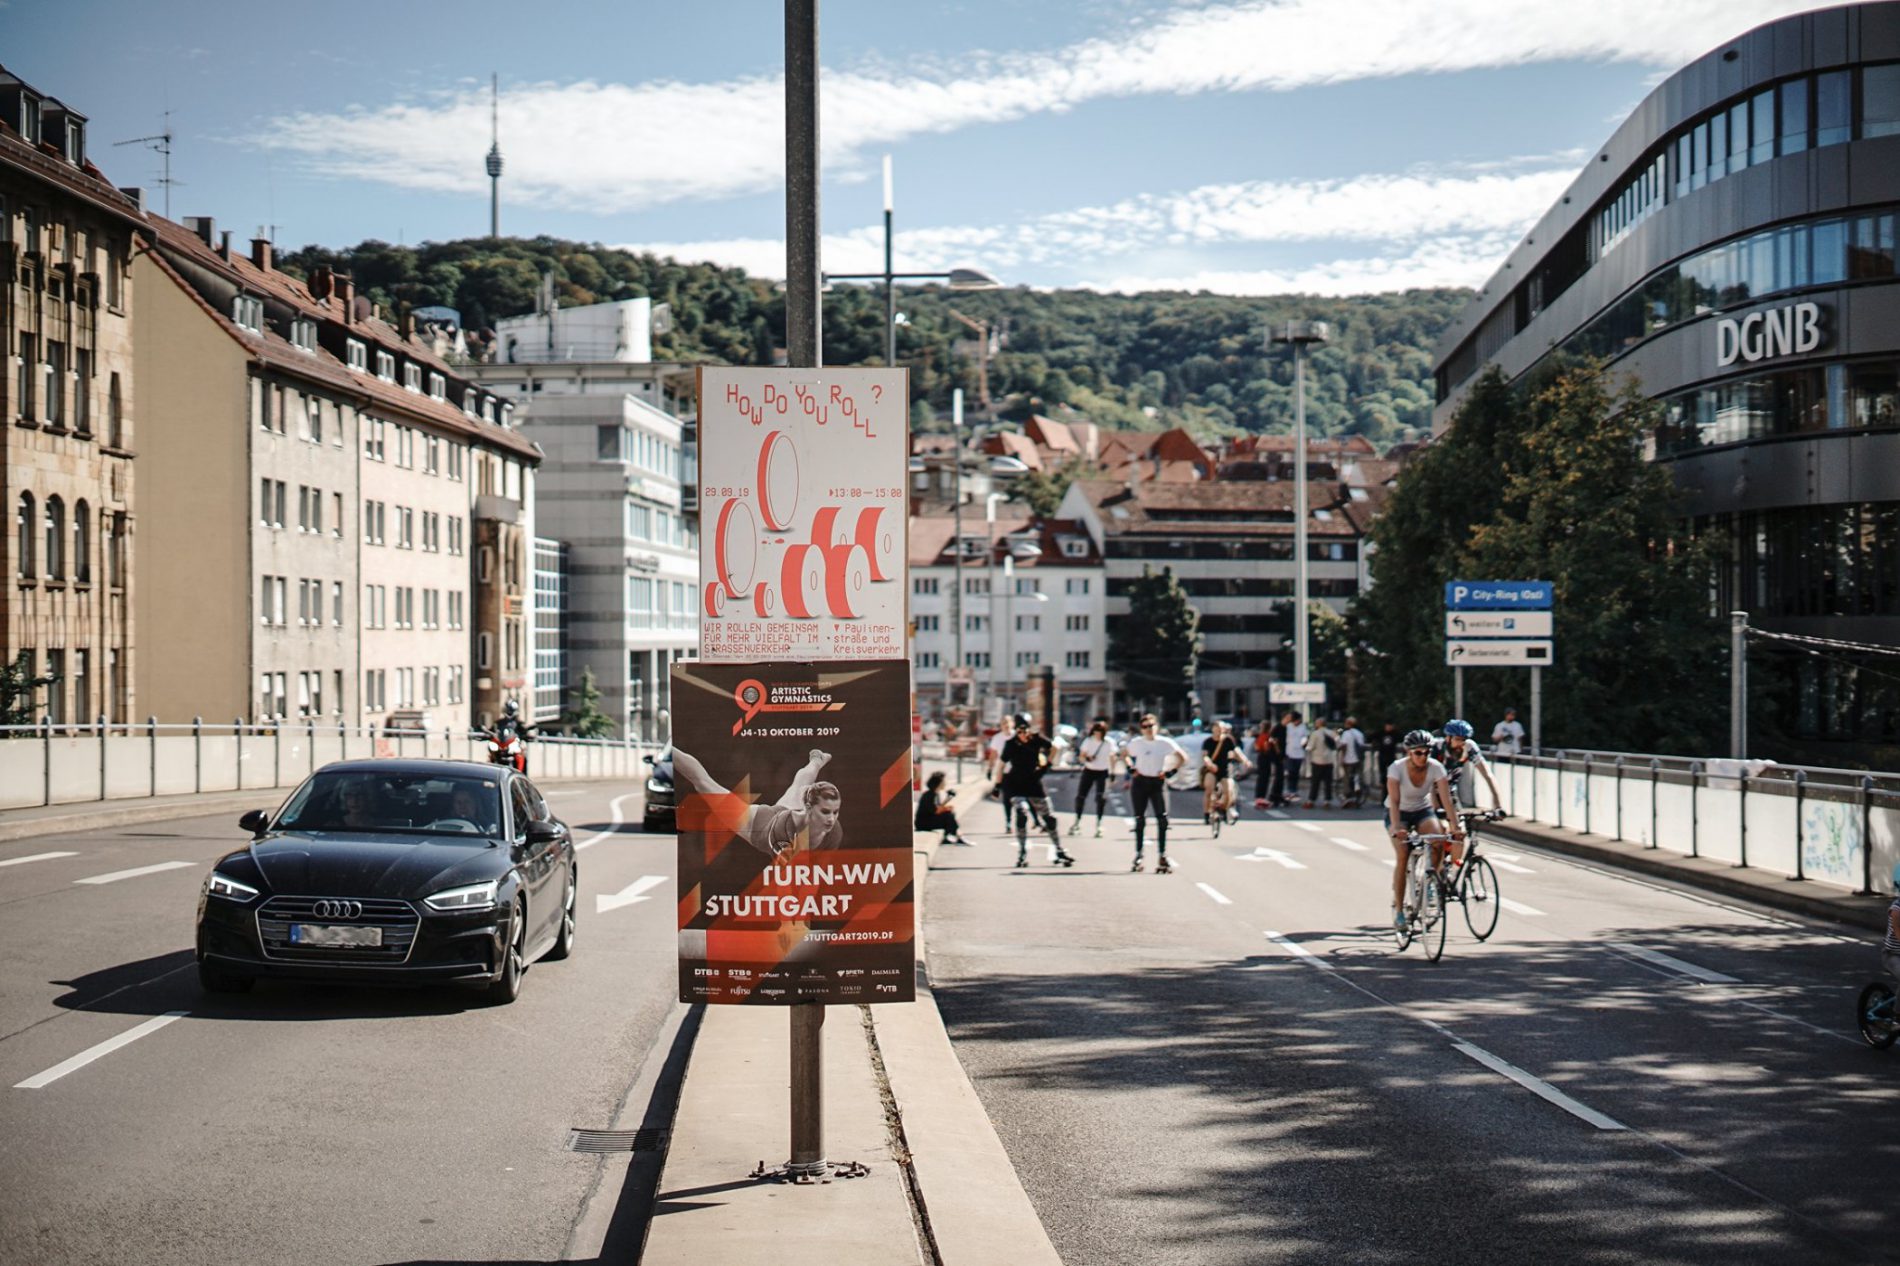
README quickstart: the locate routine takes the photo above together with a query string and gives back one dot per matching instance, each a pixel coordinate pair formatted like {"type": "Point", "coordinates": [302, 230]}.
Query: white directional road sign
{"type": "Point", "coordinates": [1496, 653]}
{"type": "Point", "coordinates": [1497, 624]}
{"type": "Point", "coordinates": [1296, 692]}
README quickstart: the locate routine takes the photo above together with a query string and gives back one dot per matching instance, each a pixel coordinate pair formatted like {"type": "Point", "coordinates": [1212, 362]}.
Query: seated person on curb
{"type": "Point", "coordinates": [933, 810]}
{"type": "Point", "coordinates": [1412, 784]}
{"type": "Point", "coordinates": [1458, 751]}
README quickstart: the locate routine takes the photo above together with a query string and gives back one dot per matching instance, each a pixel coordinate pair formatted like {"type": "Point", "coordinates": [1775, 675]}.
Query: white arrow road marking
{"type": "Point", "coordinates": [1217, 896]}
{"type": "Point", "coordinates": [1354, 845]}
{"type": "Point", "coordinates": [1518, 907]}
{"type": "Point", "coordinates": [1674, 964]}
{"type": "Point", "coordinates": [1539, 1087]}
{"type": "Point", "coordinates": [134, 873]}
{"type": "Point", "coordinates": [1271, 855]}
{"type": "Point", "coordinates": [614, 810]}
{"type": "Point", "coordinates": [37, 857]}
{"type": "Point", "coordinates": [630, 895]}
{"type": "Point", "coordinates": [106, 1047]}
{"type": "Point", "coordinates": [1504, 865]}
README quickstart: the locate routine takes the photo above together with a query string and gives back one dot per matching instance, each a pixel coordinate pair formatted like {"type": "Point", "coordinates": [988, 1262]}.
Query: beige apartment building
{"type": "Point", "coordinates": [313, 550]}
{"type": "Point", "coordinates": [66, 404]}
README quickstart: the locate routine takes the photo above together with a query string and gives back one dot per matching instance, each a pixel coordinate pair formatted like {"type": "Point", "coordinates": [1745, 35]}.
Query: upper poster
{"type": "Point", "coordinates": [802, 514]}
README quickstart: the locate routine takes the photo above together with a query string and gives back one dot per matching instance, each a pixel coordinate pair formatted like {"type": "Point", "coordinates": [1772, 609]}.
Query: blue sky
{"type": "Point", "coordinates": [1242, 146]}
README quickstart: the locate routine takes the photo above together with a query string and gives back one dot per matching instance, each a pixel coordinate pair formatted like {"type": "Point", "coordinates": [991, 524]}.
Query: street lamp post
{"type": "Point", "coordinates": [989, 546]}
{"type": "Point", "coordinates": [957, 278]}
{"type": "Point", "coordinates": [956, 548]}
{"type": "Point", "coordinates": [1301, 334]}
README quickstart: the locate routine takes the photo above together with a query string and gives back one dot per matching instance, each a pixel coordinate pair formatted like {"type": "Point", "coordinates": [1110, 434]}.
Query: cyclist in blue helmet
{"type": "Point", "coordinates": [1456, 751]}
{"type": "Point", "coordinates": [1890, 947]}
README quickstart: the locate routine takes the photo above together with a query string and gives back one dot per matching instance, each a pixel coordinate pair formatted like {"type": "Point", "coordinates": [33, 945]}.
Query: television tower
{"type": "Point", "coordinates": [494, 159]}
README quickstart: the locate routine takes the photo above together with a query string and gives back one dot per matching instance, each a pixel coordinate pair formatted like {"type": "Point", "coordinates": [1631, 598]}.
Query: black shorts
{"type": "Point", "coordinates": [1412, 817]}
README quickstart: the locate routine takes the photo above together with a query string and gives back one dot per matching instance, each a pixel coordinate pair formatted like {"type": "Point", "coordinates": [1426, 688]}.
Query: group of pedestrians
{"type": "Point", "coordinates": [1329, 758]}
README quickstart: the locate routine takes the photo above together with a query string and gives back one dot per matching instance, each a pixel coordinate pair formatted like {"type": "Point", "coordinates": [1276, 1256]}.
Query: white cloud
{"type": "Point", "coordinates": [1431, 228]}
{"type": "Point", "coordinates": [1458, 260]}
{"type": "Point", "coordinates": [617, 147]}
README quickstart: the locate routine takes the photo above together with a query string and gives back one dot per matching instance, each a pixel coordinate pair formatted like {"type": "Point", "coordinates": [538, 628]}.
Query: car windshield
{"type": "Point", "coordinates": [380, 800]}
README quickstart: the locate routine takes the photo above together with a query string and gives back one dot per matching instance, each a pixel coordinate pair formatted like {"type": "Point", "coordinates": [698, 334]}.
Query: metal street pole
{"type": "Point", "coordinates": [804, 350]}
{"type": "Point", "coordinates": [1009, 607]}
{"type": "Point", "coordinates": [890, 278]}
{"type": "Point", "coordinates": [1300, 334]}
{"type": "Point", "coordinates": [989, 545]}
{"type": "Point", "coordinates": [1738, 685]}
{"type": "Point", "coordinates": [956, 550]}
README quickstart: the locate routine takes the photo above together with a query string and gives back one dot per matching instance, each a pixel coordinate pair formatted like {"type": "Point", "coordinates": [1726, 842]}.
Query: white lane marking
{"type": "Point", "coordinates": [630, 895]}
{"type": "Point", "coordinates": [1308, 826]}
{"type": "Point", "coordinates": [1539, 1087]}
{"type": "Point", "coordinates": [1300, 951]}
{"type": "Point", "coordinates": [37, 857]}
{"type": "Point", "coordinates": [134, 873]}
{"type": "Point", "coordinates": [106, 1047]}
{"type": "Point", "coordinates": [1504, 865]}
{"type": "Point", "coordinates": [1270, 855]}
{"type": "Point", "coordinates": [614, 810]}
{"type": "Point", "coordinates": [1208, 889]}
{"type": "Point", "coordinates": [1518, 907]}
{"type": "Point", "coordinates": [1276, 813]}
{"type": "Point", "coordinates": [1343, 842]}
{"type": "Point", "coordinates": [1306, 955]}
{"type": "Point", "coordinates": [1673, 964]}
{"type": "Point", "coordinates": [1494, 855]}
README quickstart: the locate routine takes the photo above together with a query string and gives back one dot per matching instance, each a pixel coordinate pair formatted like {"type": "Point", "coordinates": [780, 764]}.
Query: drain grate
{"type": "Point", "coordinates": [648, 1140]}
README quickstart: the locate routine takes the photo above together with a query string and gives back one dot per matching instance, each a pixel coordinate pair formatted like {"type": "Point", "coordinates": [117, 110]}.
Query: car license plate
{"type": "Point", "coordinates": [323, 934]}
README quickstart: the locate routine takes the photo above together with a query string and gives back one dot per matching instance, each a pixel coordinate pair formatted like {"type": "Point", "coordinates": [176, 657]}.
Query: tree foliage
{"type": "Point", "coordinates": [1549, 482]}
{"type": "Point", "coordinates": [584, 718]}
{"type": "Point", "coordinates": [19, 691]}
{"type": "Point", "coordinates": [1157, 645]}
{"type": "Point", "coordinates": [1131, 362]}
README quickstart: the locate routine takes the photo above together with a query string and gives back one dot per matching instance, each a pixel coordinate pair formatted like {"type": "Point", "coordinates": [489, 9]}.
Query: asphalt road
{"type": "Point", "coordinates": [1234, 1063]}
{"type": "Point", "coordinates": [306, 1124]}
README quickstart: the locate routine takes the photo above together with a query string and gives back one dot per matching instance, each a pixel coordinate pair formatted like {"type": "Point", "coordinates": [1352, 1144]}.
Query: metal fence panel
{"type": "Point", "coordinates": [177, 765]}
{"type": "Point", "coordinates": [1719, 820]}
{"type": "Point", "coordinates": [1638, 807]}
{"type": "Point", "coordinates": [22, 773]}
{"type": "Point", "coordinates": [1771, 830]}
{"type": "Point", "coordinates": [1675, 816]}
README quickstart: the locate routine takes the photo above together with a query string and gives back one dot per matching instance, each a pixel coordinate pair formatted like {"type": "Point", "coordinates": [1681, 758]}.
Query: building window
{"type": "Point", "coordinates": [1077, 659]}
{"type": "Point", "coordinates": [27, 529]}
{"type": "Point", "coordinates": [82, 543]}
{"type": "Point", "coordinates": [1078, 624]}
{"type": "Point", "coordinates": [336, 602]}
{"type": "Point", "coordinates": [484, 650]}
{"type": "Point", "coordinates": [82, 390]}
{"type": "Point", "coordinates": [248, 312]}
{"type": "Point", "coordinates": [56, 690]}
{"type": "Point", "coordinates": [976, 659]}
{"type": "Point", "coordinates": [28, 378]}
{"type": "Point", "coordinates": [82, 686]}
{"type": "Point", "coordinates": [929, 659]}
{"type": "Point", "coordinates": [438, 388]}
{"type": "Point", "coordinates": [357, 355]}
{"type": "Point", "coordinates": [55, 539]}
{"type": "Point", "coordinates": [303, 334]}
{"type": "Point", "coordinates": [412, 377]}
{"type": "Point", "coordinates": [975, 623]}
{"type": "Point", "coordinates": [976, 585]}
{"type": "Point", "coordinates": [924, 584]}
{"type": "Point", "coordinates": [1029, 624]}
{"type": "Point", "coordinates": [115, 551]}
{"type": "Point", "coordinates": [385, 366]}
{"type": "Point", "coordinates": [1833, 108]}
{"type": "Point", "coordinates": [1076, 585]}
{"type": "Point", "coordinates": [926, 624]}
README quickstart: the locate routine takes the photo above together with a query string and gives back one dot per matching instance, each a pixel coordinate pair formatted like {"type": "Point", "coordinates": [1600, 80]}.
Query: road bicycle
{"type": "Point", "coordinates": [1424, 897]}
{"type": "Point", "coordinates": [1473, 884]}
{"type": "Point", "coordinates": [1220, 802]}
{"type": "Point", "coordinates": [1876, 1013]}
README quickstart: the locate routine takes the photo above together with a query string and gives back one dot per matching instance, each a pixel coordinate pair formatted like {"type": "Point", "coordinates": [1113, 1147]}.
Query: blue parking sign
{"type": "Point", "coordinates": [1497, 595]}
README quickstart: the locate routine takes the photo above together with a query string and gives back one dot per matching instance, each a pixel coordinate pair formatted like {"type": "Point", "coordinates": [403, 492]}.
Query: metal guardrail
{"type": "Point", "coordinates": [48, 763]}
{"type": "Point", "coordinates": [1838, 826]}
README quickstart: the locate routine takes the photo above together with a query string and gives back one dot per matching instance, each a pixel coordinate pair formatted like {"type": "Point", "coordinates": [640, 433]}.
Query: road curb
{"type": "Point", "coordinates": [1776, 891]}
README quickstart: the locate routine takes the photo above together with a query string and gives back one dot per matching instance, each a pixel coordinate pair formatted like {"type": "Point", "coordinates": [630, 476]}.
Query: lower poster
{"type": "Point", "coordinates": [794, 812]}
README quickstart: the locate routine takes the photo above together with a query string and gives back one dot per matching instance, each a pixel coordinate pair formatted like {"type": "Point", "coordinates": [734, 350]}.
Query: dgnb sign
{"type": "Point", "coordinates": [1791, 329]}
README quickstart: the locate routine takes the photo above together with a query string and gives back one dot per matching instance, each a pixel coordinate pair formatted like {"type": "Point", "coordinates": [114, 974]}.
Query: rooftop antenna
{"type": "Point", "coordinates": [494, 157]}
{"type": "Point", "coordinates": [162, 143]}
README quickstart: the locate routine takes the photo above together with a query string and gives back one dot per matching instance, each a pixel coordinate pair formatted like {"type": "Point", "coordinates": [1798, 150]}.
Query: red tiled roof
{"type": "Point", "coordinates": [85, 183]}
{"type": "Point", "coordinates": [1216, 509]}
{"type": "Point", "coordinates": [184, 246]}
{"type": "Point", "coordinates": [932, 538]}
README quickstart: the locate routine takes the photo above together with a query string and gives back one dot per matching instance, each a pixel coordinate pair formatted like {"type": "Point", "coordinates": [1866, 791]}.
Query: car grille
{"type": "Point", "coordinates": [397, 919]}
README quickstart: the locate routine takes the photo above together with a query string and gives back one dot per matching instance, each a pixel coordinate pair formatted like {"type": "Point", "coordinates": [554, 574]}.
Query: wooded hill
{"type": "Point", "coordinates": [1137, 362]}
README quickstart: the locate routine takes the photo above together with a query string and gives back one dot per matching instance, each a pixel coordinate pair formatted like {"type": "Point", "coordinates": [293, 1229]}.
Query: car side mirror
{"type": "Point", "coordinates": [255, 821]}
{"type": "Point", "coordinates": [543, 832]}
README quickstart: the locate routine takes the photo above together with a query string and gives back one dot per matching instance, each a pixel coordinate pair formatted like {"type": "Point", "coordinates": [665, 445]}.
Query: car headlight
{"type": "Point", "coordinates": [219, 885]}
{"type": "Point", "coordinates": [658, 784]}
{"type": "Point", "coordinates": [471, 897]}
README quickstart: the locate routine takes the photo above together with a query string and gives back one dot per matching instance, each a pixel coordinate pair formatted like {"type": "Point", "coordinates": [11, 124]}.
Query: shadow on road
{"type": "Point", "coordinates": [1319, 1126]}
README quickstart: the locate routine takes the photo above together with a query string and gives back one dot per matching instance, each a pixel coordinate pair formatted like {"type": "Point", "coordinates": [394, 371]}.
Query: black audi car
{"type": "Point", "coordinates": [662, 801]}
{"type": "Point", "coordinates": [393, 871]}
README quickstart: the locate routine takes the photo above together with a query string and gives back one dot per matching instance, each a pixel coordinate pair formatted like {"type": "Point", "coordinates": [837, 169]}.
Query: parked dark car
{"type": "Point", "coordinates": [393, 871]}
{"type": "Point", "coordinates": [661, 800]}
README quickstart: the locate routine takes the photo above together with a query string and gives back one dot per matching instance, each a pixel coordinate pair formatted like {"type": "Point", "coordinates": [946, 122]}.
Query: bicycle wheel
{"type": "Point", "coordinates": [1880, 1029]}
{"type": "Point", "coordinates": [1481, 898]}
{"type": "Point", "coordinates": [1432, 916]}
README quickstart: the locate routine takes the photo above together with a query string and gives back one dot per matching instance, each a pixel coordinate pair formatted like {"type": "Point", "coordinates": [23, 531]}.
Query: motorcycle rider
{"type": "Point", "coordinates": [510, 728]}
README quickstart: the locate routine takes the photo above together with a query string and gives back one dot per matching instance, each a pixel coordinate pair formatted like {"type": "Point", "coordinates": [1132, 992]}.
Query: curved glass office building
{"type": "Point", "coordinates": [1732, 247]}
